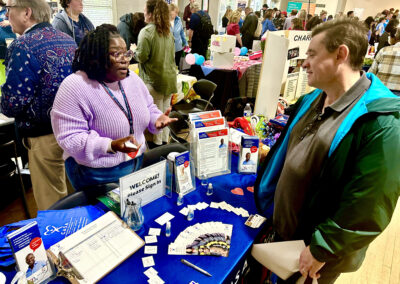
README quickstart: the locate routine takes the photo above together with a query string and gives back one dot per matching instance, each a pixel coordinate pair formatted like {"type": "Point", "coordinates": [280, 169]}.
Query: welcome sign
{"type": "Point", "coordinates": [147, 184]}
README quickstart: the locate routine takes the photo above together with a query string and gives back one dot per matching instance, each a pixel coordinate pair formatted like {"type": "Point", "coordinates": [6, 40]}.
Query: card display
{"type": "Point", "coordinates": [210, 238]}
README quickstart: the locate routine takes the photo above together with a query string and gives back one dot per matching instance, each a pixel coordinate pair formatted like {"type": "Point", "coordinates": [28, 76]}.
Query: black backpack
{"type": "Point", "coordinates": [206, 29]}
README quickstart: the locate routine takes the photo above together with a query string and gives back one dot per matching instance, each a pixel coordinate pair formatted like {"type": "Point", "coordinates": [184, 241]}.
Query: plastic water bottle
{"type": "Point", "coordinates": [210, 189]}
{"type": "Point", "coordinates": [168, 229]}
{"type": "Point", "coordinates": [190, 215]}
{"type": "Point", "coordinates": [179, 201]}
{"type": "Point", "coordinates": [247, 110]}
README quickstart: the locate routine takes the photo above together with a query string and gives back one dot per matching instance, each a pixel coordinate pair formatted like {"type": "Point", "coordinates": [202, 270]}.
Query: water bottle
{"type": "Point", "coordinates": [179, 201]}
{"type": "Point", "coordinates": [247, 110]}
{"type": "Point", "coordinates": [210, 189]}
{"type": "Point", "coordinates": [190, 215]}
{"type": "Point", "coordinates": [168, 229]}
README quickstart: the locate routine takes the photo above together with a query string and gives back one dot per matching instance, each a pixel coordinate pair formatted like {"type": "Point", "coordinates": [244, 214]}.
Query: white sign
{"type": "Point", "coordinates": [148, 184]}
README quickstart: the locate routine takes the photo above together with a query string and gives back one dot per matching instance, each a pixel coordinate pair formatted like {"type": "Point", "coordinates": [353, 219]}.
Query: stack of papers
{"type": "Point", "coordinates": [211, 238]}
{"type": "Point", "coordinates": [226, 206]}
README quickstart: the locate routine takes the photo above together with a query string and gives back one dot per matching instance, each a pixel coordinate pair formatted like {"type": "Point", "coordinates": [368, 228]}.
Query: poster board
{"type": "Point", "coordinates": [272, 70]}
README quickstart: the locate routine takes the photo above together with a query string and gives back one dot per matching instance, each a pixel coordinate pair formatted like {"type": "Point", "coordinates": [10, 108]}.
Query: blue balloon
{"type": "Point", "coordinates": [243, 51]}
{"type": "Point", "coordinates": [196, 56]}
{"type": "Point", "coordinates": [200, 60]}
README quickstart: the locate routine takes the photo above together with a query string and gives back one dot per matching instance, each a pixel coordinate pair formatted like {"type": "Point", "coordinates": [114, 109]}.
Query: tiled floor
{"type": "Point", "coordinates": [381, 265]}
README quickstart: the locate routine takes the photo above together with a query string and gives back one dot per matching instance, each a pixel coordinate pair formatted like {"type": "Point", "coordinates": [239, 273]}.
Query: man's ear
{"type": "Point", "coordinates": [342, 54]}
{"type": "Point", "coordinates": [28, 13]}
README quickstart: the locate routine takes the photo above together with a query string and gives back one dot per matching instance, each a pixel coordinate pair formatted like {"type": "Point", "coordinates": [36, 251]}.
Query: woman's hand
{"type": "Point", "coordinates": [4, 23]}
{"type": "Point", "coordinates": [118, 145]}
{"type": "Point", "coordinates": [164, 119]}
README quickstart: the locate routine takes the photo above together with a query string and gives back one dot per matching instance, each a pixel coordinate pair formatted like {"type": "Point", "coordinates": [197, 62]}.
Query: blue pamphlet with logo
{"type": "Point", "coordinates": [56, 225]}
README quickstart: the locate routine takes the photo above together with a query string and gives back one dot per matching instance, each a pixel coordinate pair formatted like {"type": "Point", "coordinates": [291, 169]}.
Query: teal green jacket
{"type": "Point", "coordinates": [156, 57]}
{"type": "Point", "coordinates": [353, 199]}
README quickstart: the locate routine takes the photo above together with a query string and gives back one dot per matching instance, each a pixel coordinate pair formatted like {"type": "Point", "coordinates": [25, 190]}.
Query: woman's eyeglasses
{"type": "Point", "coordinates": [120, 54]}
{"type": "Point", "coordinates": [8, 8]}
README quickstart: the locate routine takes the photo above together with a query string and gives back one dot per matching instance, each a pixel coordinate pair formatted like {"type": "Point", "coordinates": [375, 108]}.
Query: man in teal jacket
{"type": "Point", "coordinates": [333, 177]}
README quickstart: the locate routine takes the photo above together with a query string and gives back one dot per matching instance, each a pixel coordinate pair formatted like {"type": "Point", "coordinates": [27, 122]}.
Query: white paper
{"type": "Point", "coordinates": [150, 239]}
{"type": "Point", "coordinates": [148, 261]}
{"type": "Point", "coordinates": [164, 218]}
{"type": "Point", "coordinates": [150, 250]}
{"type": "Point", "coordinates": [154, 231]}
{"type": "Point", "coordinates": [150, 272]}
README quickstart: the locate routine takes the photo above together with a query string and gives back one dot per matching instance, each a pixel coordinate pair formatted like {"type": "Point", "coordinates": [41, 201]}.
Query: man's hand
{"type": "Point", "coordinates": [5, 23]}
{"type": "Point", "coordinates": [309, 265]}
{"type": "Point", "coordinates": [164, 119]}
{"type": "Point", "coordinates": [118, 145]}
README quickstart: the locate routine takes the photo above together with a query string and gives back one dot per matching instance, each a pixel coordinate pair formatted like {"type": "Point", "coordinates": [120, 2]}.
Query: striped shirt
{"type": "Point", "coordinates": [386, 66]}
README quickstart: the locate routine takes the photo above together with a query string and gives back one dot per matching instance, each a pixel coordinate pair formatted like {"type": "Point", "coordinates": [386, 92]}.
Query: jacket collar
{"type": "Point", "coordinates": [37, 26]}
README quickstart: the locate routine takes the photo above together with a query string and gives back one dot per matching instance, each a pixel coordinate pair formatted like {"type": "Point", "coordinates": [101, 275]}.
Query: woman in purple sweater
{"type": "Point", "coordinates": [99, 108]}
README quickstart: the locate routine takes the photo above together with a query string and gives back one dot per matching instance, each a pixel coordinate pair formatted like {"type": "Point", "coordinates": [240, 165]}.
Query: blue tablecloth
{"type": "Point", "coordinates": [169, 267]}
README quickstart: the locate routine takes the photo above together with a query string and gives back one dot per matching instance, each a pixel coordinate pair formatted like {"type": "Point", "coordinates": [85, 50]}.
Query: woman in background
{"type": "Point", "coordinates": [226, 17]}
{"type": "Point", "coordinates": [156, 56]}
{"type": "Point", "coordinates": [297, 25]}
{"type": "Point", "coordinates": [99, 108]}
{"type": "Point", "coordinates": [177, 32]}
{"type": "Point", "coordinates": [129, 27]}
{"type": "Point", "coordinates": [71, 20]}
{"type": "Point", "coordinates": [233, 27]}
{"type": "Point", "coordinates": [267, 24]}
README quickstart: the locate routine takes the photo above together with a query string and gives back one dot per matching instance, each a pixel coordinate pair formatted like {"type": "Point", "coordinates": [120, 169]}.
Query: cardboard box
{"type": "Point", "coordinates": [223, 43]}
{"type": "Point", "coordinates": [222, 60]}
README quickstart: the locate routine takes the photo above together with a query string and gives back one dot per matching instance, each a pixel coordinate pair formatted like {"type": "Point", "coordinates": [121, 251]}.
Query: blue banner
{"type": "Point", "coordinates": [294, 6]}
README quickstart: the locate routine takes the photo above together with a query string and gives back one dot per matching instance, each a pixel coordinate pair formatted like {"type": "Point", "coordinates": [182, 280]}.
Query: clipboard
{"type": "Point", "coordinates": [92, 252]}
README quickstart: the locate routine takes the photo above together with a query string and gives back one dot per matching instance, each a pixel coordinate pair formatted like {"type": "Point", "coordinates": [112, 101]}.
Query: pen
{"type": "Point", "coordinates": [195, 267]}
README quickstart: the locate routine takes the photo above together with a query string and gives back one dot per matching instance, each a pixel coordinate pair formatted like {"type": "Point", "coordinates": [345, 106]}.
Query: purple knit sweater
{"type": "Point", "coordinates": [85, 119]}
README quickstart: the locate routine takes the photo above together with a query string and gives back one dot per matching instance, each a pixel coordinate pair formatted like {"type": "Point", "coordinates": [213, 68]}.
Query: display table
{"type": "Point", "coordinates": [169, 267]}
{"type": "Point", "coordinates": [240, 80]}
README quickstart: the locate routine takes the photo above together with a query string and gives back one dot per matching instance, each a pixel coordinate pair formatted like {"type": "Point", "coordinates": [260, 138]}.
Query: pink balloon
{"type": "Point", "coordinates": [237, 51]}
{"type": "Point", "coordinates": [190, 59]}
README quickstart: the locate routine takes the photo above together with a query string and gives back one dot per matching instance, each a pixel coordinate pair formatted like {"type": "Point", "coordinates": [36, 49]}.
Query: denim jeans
{"type": "Point", "coordinates": [82, 176]}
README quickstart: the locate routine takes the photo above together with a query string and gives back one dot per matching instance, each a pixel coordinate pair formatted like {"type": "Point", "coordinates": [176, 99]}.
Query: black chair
{"type": "Point", "coordinates": [10, 170]}
{"type": "Point", "coordinates": [85, 197]}
{"type": "Point", "coordinates": [153, 156]}
{"type": "Point", "coordinates": [235, 107]}
{"type": "Point", "coordinates": [205, 89]}
{"type": "Point", "coordinates": [177, 128]}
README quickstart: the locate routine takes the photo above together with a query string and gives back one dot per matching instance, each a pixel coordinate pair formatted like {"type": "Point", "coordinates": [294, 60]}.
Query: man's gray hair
{"type": "Point", "coordinates": [41, 11]}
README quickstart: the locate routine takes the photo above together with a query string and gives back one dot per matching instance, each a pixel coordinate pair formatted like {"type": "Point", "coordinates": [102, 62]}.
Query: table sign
{"type": "Point", "coordinates": [149, 184]}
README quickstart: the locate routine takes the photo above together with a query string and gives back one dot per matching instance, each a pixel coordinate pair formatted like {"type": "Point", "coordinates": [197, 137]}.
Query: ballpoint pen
{"type": "Point", "coordinates": [195, 267]}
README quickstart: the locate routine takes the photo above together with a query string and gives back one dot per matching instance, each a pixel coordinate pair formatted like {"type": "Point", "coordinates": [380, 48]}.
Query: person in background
{"type": "Point", "coordinates": [368, 22]}
{"type": "Point", "coordinates": [5, 33]}
{"type": "Point", "coordinates": [177, 32]}
{"type": "Point", "coordinates": [322, 15]}
{"type": "Point", "coordinates": [99, 108]}
{"type": "Point", "coordinates": [297, 25]}
{"type": "Point", "coordinates": [233, 28]}
{"type": "Point", "coordinates": [330, 18]}
{"type": "Point", "coordinates": [241, 21]}
{"type": "Point", "coordinates": [35, 69]}
{"type": "Point", "coordinates": [226, 17]}
{"type": "Point", "coordinates": [279, 19]}
{"type": "Point", "coordinates": [267, 24]}
{"type": "Point", "coordinates": [71, 20]}
{"type": "Point", "coordinates": [350, 14]}
{"type": "Point", "coordinates": [187, 13]}
{"type": "Point", "coordinates": [335, 158]}
{"type": "Point", "coordinates": [313, 22]}
{"type": "Point", "coordinates": [302, 16]}
{"type": "Point", "coordinates": [156, 56]}
{"type": "Point", "coordinates": [386, 64]}
{"type": "Point", "coordinates": [390, 31]}
{"type": "Point", "coordinates": [199, 35]}
{"type": "Point", "coordinates": [288, 21]}
{"type": "Point", "coordinates": [130, 26]}
{"type": "Point", "coordinates": [249, 27]}
{"type": "Point", "coordinates": [264, 9]}
{"type": "Point", "coordinates": [380, 28]}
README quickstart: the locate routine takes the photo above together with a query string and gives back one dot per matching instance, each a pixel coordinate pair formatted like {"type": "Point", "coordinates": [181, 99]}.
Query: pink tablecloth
{"type": "Point", "coordinates": [240, 66]}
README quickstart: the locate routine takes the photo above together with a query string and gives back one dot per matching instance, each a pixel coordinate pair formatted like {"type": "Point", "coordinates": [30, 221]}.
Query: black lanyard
{"type": "Point", "coordinates": [127, 112]}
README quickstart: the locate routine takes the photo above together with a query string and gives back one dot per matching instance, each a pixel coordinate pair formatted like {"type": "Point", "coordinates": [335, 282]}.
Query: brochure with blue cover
{"type": "Point", "coordinates": [56, 225]}
{"type": "Point", "coordinates": [30, 254]}
{"type": "Point", "coordinates": [248, 158]}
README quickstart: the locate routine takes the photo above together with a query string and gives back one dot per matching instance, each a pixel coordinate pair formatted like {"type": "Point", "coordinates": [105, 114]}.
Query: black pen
{"type": "Point", "coordinates": [195, 267]}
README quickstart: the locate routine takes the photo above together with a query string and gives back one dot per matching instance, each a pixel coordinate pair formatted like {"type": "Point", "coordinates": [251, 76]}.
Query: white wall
{"type": "Point", "coordinates": [371, 7]}
{"type": "Point", "coordinates": [129, 6]}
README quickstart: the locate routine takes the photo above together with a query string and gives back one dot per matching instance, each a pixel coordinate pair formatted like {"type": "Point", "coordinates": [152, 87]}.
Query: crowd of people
{"type": "Point", "coordinates": [76, 105]}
